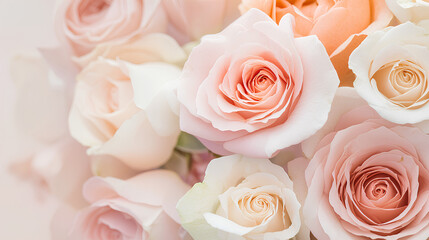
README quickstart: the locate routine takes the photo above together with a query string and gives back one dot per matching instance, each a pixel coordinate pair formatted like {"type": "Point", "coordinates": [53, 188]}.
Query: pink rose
{"type": "Point", "coordinates": [254, 89]}
{"type": "Point", "coordinates": [143, 207]}
{"type": "Point", "coordinates": [368, 178]}
{"type": "Point", "coordinates": [340, 25]}
{"type": "Point", "coordinates": [85, 23]}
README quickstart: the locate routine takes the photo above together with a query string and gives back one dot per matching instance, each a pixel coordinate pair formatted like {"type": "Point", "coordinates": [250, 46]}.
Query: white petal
{"type": "Point", "coordinates": [138, 145]}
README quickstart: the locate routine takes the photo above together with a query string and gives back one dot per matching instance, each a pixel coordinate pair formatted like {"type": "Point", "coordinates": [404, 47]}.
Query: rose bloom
{"type": "Point", "coordinates": [142, 207]}
{"type": "Point", "coordinates": [189, 20]}
{"type": "Point", "coordinates": [367, 178]}
{"type": "Point", "coordinates": [118, 111]}
{"type": "Point", "coordinates": [409, 10]}
{"type": "Point", "coordinates": [392, 70]}
{"type": "Point", "coordinates": [85, 23]}
{"type": "Point", "coordinates": [340, 25]}
{"type": "Point", "coordinates": [241, 198]}
{"type": "Point", "coordinates": [254, 89]}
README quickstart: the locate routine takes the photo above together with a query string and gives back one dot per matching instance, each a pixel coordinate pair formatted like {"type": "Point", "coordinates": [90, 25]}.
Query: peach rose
{"type": "Point", "coordinates": [392, 73]}
{"type": "Point", "coordinates": [142, 207]}
{"type": "Point", "coordinates": [85, 23]}
{"type": "Point", "coordinates": [254, 89]}
{"type": "Point", "coordinates": [367, 178]}
{"type": "Point", "coordinates": [191, 19]}
{"type": "Point", "coordinates": [340, 25]}
{"type": "Point", "coordinates": [118, 111]}
{"type": "Point", "coordinates": [241, 199]}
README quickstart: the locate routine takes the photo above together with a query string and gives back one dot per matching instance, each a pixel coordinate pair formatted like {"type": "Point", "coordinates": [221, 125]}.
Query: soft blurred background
{"type": "Point", "coordinates": [25, 213]}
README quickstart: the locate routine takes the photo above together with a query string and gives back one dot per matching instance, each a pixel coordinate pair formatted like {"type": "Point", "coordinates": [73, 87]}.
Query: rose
{"type": "Point", "coordinates": [160, 102]}
{"type": "Point", "coordinates": [367, 178]}
{"type": "Point", "coordinates": [191, 19]}
{"type": "Point", "coordinates": [409, 10]}
{"type": "Point", "coordinates": [253, 89]}
{"type": "Point", "coordinates": [85, 23]}
{"type": "Point", "coordinates": [105, 114]}
{"type": "Point", "coordinates": [241, 198]}
{"type": "Point", "coordinates": [155, 47]}
{"type": "Point", "coordinates": [142, 207]}
{"type": "Point", "coordinates": [340, 25]}
{"type": "Point", "coordinates": [392, 70]}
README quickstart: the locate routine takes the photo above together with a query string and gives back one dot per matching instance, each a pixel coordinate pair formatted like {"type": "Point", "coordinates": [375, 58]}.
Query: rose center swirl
{"type": "Point", "coordinates": [259, 207]}
{"type": "Point", "coordinates": [374, 194]}
{"type": "Point", "coordinates": [403, 83]}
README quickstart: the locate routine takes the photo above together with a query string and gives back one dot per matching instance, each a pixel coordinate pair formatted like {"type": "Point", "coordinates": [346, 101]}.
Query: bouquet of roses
{"type": "Point", "coordinates": [235, 119]}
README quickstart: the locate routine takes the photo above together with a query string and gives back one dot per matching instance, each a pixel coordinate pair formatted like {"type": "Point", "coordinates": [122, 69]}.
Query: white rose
{"type": "Point", "coordinates": [105, 114]}
{"type": "Point", "coordinates": [409, 10]}
{"type": "Point", "coordinates": [392, 69]}
{"type": "Point", "coordinates": [241, 198]}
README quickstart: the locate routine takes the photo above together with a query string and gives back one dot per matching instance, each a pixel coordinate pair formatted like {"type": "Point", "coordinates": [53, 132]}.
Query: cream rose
{"type": "Point", "coordinates": [85, 23]}
{"type": "Point", "coordinates": [409, 10]}
{"type": "Point", "coordinates": [392, 71]}
{"type": "Point", "coordinates": [142, 207]}
{"type": "Point", "coordinates": [254, 89]}
{"type": "Point", "coordinates": [105, 114]}
{"type": "Point", "coordinates": [241, 198]}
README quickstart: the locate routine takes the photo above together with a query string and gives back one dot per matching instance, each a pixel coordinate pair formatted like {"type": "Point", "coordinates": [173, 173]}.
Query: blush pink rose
{"type": "Point", "coordinates": [142, 207]}
{"type": "Point", "coordinates": [340, 25]}
{"type": "Point", "coordinates": [368, 179]}
{"type": "Point", "coordinates": [254, 89]}
{"type": "Point", "coordinates": [85, 23]}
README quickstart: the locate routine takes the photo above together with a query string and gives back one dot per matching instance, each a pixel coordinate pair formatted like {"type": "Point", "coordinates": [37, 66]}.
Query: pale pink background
{"type": "Point", "coordinates": [24, 25]}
